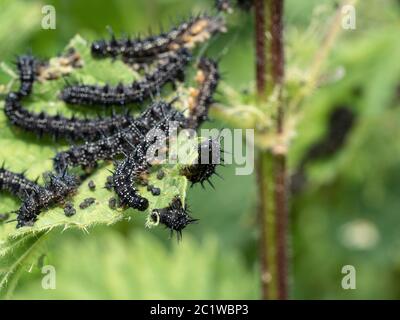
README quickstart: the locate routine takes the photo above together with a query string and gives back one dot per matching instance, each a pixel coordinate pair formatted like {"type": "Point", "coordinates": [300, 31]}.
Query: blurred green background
{"type": "Point", "coordinates": [347, 214]}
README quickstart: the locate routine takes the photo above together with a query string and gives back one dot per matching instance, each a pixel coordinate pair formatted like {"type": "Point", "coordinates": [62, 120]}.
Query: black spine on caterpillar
{"type": "Point", "coordinates": [186, 35]}
{"type": "Point", "coordinates": [16, 183]}
{"type": "Point", "coordinates": [209, 156]}
{"type": "Point", "coordinates": [57, 189]}
{"type": "Point", "coordinates": [207, 77]}
{"type": "Point", "coordinates": [61, 127]}
{"type": "Point", "coordinates": [107, 148]}
{"type": "Point", "coordinates": [175, 217]}
{"type": "Point", "coordinates": [169, 69]}
{"type": "Point", "coordinates": [27, 68]}
{"type": "Point", "coordinates": [125, 176]}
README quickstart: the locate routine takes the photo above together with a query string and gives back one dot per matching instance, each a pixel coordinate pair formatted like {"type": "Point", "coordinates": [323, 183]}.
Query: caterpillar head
{"type": "Point", "coordinates": [99, 48]}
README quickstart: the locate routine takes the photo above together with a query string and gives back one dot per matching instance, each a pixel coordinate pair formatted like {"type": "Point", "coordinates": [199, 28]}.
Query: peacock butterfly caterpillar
{"type": "Point", "coordinates": [175, 217]}
{"type": "Point", "coordinates": [167, 70]}
{"type": "Point", "coordinates": [201, 98]}
{"type": "Point", "coordinates": [61, 127]}
{"type": "Point", "coordinates": [186, 35]}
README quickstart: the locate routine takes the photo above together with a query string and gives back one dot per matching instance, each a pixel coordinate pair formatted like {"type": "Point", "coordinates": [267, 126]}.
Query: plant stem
{"type": "Point", "coordinates": [281, 212]}
{"type": "Point", "coordinates": [271, 165]}
{"type": "Point", "coordinates": [261, 169]}
{"type": "Point", "coordinates": [260, 40]}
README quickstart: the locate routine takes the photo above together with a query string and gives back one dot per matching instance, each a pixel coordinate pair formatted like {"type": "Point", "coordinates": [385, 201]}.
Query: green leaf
{"type": "Point", "coordinates": [14, 256]}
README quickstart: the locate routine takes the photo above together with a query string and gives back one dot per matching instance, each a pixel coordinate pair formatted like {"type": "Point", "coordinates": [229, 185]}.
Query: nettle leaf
{"type": "Point", "coordinates": [22, 151]}
{"type": "Point", "coordinates": [18, 255]}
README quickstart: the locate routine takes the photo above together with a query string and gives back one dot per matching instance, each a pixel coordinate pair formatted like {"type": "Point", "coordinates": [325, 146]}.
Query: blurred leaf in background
{"type": "Point", "coordinates": [138, 266]}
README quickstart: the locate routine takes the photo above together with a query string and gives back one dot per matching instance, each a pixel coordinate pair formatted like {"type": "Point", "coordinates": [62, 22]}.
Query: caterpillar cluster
{"type": "Point", "coordinates": [107, 148]}
{"type": "Point", "coordinates": [186, 35]}
{"type": "Point", "coordinates": [119, 135]}
{"type": "Point", "coordinates": [167, 70]}
{"type": "Point", "coordinates": [137, 163]}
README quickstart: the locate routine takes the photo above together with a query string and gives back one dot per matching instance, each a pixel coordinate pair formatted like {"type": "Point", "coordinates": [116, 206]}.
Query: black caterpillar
{"type": "Point", "coordinates": [27, 66]}
{"type": "Point", "coordinates": [57, 189]}
{"type": "Point", "coordinates": [61, 127]}
{"type": "Point", "coordinates": [35, 197]}
{"type": "Point", "coordinates": [167, 70]}
{"type": "Point", "coordinates": [202, 98]}
{"type": "Point", "coordinates": [175, 217]}
{"type": "Point", "coordinates": [125, 176]}
{"type": "Point", "coordinates": [341, 121]}
{"type": "Point", "coordinates": [107, 148]}
{"type": "Point", "coordinates": [209, 156]}
{"type": "Point", "coordinates": [16, 183]}
{"type": "Point", "coordinates": [186, 35]}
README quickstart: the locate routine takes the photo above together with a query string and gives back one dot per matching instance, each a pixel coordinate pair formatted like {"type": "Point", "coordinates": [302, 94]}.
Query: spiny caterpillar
{"type": "Point", "coordinates": [27, 66]}
{"type": "Point", "coordinates": [35, 197]}
{"type": "Point", "coordinates": [186, 35]}
{"type": "Point", "coordinates": [124, 178]}
{"type": "Point", "coordinates": [341, 121]}
{"type": "Point", "coordinates": [207, 78]}
{"type": "Point", "coordinates": [31, 69]}
{"type": "Point", "coordinates": [60, 127]}
{"type": "Point", "coordinates": [209, 156]}
{"type": "Point", "coordinates": [175, 217]}
{"type": "Point", "coordinates": [108, 147]}
{"type": "Point", "coordinates": [57, 189]}
{"type": "Point", "coordinates": [16, 183]}
{"type": "Point", "coordinates": [168, 69]}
